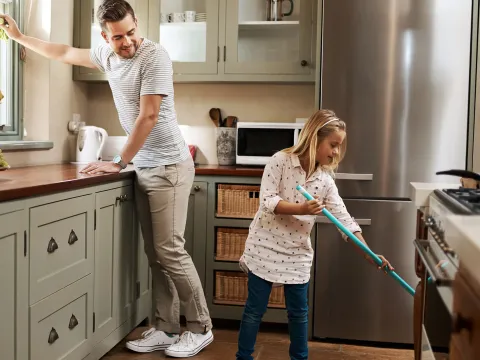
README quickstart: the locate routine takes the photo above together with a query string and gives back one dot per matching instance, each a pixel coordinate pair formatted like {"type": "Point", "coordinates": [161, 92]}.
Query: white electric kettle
{"type": "Point", "coordinates": [90, 143]}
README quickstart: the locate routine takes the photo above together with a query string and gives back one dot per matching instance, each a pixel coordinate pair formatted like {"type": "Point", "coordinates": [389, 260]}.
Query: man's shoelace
{"type": "Point", "coordinates": [147, 333]}
{"type": "Point", "coordinates": [187, 339]}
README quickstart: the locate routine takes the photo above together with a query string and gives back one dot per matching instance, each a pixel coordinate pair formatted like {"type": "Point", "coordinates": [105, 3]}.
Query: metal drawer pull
{"type": "Point", "coordinates": [52, 246]}
{"type": "Point", "coordinates": [349, 176]}
{"type": "Point", "coordinates": [72, 239]}
{"type": "Point", "coordinates": [53, 336]}
{"type": "Point", "coordinates": [361, 222]}
{"type": "Point", "coordinates": [73, 322]}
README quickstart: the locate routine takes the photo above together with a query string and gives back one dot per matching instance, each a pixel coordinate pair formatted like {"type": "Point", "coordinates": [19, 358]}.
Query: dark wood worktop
{"type": "Point", "coordinates": [29, 181]}
{"type": "Point", "coordinates": [228, 170]}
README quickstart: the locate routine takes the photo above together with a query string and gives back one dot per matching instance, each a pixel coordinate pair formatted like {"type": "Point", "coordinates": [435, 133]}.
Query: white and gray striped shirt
{"type": "Point", "coordinates": [148, 72]}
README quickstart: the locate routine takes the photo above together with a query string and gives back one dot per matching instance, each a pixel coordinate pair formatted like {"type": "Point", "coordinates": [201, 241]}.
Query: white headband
{"type": "Point", "coordinates": [328, 122]}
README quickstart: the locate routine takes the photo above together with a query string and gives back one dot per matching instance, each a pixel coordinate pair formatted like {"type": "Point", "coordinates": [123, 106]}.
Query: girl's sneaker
{"type": "Point", "coordinates": [152, 340]}
{"type": "Point", "coordinates": [189, 344]}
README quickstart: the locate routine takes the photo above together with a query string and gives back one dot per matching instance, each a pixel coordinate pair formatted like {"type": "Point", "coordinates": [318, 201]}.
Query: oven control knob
{"type": "Point", "coordinates": [430, 221]}
{"type": "Point", "coordinates": [460, 323]}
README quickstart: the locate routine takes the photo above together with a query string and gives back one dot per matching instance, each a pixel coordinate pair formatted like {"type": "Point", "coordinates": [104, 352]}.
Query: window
{"type": "Point", "coordinates": [11, 82]}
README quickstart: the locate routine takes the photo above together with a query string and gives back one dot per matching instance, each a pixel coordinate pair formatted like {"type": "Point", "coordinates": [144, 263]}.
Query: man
{"type": "Point", "coordinates": [140, 76]}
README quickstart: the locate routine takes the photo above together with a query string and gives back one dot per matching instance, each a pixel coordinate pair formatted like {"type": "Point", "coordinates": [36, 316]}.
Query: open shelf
{"type": "Point", "coordinates": [245, 25]}
{"type": "Point", "coordinates": [184, 25]}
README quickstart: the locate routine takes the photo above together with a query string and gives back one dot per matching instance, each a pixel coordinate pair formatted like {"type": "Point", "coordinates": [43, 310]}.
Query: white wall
{"type": "Point", "coordinates": [50, 96]}
{"type": "Point", "coordinates": [248, 102]}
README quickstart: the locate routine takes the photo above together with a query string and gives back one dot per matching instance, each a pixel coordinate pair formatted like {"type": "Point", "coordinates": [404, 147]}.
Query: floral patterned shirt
{"type": "Point", "coordinates": [278, 247]}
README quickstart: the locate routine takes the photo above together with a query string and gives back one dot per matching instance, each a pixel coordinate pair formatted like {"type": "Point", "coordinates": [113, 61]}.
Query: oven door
{"type": "Point", "coordinates": [437, 309]}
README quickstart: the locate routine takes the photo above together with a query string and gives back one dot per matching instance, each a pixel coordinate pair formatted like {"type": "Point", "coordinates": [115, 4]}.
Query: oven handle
{"type": "Point", "coordinates": [361, 222]}
{"type": "Point", "coordinates": [431, 268]}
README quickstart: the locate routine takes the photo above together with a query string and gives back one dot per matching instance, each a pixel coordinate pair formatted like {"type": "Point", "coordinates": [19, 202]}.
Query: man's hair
{"type": "Point", "coordinates": [112, 11]}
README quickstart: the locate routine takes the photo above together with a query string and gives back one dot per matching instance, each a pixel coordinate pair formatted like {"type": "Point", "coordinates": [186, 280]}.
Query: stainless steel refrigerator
{"type": "Point", "coordinates": [398, 72]}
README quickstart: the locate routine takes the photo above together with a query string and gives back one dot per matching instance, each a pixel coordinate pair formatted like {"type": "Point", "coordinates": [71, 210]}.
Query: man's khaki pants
{"type": "Point", "coordinates": [162, 195]}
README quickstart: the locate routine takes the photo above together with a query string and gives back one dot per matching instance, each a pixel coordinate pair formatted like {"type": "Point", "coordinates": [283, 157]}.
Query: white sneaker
{"type": "Point", "coordinates": [189, 344]}
{"type": "Point", "coordinates": [152, 340]}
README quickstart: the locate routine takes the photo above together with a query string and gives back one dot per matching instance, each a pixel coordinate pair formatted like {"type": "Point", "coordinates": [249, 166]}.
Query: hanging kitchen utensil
{"type": "Point", "coordinates": [357, 242]}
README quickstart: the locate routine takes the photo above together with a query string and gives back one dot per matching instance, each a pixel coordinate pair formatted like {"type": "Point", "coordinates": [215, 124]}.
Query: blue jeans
{"type": "Point", "coordinates": [296, 297]}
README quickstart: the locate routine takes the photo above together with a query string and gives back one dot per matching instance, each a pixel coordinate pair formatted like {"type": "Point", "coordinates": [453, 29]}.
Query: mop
{"type": "Point", "coordinates": [357, 242]}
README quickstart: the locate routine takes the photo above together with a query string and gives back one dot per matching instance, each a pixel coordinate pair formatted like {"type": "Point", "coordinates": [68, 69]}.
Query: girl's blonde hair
{"type": "Point", "coordinates": [317, 128]}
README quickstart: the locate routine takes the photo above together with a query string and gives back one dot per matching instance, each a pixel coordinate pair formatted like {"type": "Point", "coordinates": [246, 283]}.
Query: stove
{"type": "Point", "coordinates": [462, 201]}
{"type": "Point", "coordinates": [441, 264]}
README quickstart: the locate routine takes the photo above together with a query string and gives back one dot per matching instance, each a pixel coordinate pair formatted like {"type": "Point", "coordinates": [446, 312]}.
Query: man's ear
{"type": "Point", "coordinates": [105, 36]}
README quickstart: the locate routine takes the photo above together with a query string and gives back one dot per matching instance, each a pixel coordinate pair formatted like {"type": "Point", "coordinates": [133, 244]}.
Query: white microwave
{"type": "Point", "coordinates": [258, 141]}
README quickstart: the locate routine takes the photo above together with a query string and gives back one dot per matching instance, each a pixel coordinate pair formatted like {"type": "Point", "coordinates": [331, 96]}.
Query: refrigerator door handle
{"type": "Point", "coordinates": [361, 222]}
{"type": "Point", "coordinates": [350, 176]}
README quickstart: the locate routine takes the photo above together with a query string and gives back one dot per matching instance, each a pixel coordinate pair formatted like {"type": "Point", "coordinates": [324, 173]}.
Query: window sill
{"type": "Point", "coordinates": [7, 146]}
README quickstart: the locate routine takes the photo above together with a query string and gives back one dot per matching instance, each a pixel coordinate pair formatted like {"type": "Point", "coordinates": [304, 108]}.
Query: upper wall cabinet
{"type": "Point", "coordinates": [220, 40]}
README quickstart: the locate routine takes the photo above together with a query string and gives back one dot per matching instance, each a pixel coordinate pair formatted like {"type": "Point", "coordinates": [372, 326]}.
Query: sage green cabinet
{"type": "Point", "coordinates": [217, 40]}
{"type": "Point", "coordinates": [196, 227]}
{"type": "Point", "coordinates": [114, 260]}
{"type": "Point", "coordinates": [143, 285]}
{"type": "Point", "coordinates": [13, 282]}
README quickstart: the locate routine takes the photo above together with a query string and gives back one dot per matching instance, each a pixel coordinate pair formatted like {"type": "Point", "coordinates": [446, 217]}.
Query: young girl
{"type": "Point", "coordinates": [278, 250]}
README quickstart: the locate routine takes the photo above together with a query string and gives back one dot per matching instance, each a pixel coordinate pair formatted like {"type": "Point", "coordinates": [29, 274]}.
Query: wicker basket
{"type": "Point", "coordinates": [230, 243]}
{"type": "Point", "coordinates": [231, 288]}
{"type": "Point", "coordinates": [240, 201]}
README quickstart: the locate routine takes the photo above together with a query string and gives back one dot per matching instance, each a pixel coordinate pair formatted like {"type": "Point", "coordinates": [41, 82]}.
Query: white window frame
{"type": "Point", "coordinates": [11, 85]}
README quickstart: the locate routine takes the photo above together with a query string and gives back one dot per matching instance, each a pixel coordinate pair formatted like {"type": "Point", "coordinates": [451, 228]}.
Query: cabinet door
{"type": "Point", "coordinates": [114, 259]}
{"type": "Point", "coordinates": [123, 255]}
{"type": "Point", "coordinates": [196, 227]}
{"type": "Point", "coordinates": [143, 289]}
{"type": "Point", "coordinates": [188, 30]}
{"type": "Point", "coordinates": [14, 285]}
{"type": "Point", "coordinates": [87, 32]}
{"type": "Point", "coordinates": [256, 45]}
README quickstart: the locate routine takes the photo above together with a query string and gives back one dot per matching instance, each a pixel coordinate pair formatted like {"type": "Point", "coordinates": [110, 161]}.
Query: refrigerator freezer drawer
{"type": "Point", "coordinates": [354, 300]}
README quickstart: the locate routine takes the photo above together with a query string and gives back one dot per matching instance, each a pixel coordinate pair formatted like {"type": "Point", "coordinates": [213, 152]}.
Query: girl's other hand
{"type": "Point", "coordinates": [385, 263]}
{"type": "Point", "coordinates": [312, 207]}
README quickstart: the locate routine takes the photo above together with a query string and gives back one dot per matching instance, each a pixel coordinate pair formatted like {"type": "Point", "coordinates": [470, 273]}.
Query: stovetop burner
{"type": "Point", "coordinates": [462, 201]}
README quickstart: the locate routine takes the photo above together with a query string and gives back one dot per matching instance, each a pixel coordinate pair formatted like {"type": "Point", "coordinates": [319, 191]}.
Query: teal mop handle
{"type": "Point", "coordinates": [359, 243]}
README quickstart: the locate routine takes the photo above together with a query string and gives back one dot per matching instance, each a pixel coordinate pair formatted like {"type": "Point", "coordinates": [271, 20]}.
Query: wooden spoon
{"type": "Point", "coordinates": [214, 116]}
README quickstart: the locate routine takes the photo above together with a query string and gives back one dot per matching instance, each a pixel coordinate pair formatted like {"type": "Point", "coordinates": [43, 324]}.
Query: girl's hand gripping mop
{"type": "Point", "coordinates": [357, 242]}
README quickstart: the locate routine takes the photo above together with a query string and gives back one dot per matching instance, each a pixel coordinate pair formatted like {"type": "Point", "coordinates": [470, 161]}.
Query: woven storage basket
{"type": "Point", "coordinates": [230, 243]}
{"type": "Point", "coordinates": [239, 201]}
{"type": "Point", "coordinates": [231, 288]}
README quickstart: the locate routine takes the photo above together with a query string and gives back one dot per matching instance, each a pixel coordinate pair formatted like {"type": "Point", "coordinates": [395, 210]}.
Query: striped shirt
{"type": "Point", "coordinates": [278, 247]}
{"type": "Point", "coordinates": [148, 72]}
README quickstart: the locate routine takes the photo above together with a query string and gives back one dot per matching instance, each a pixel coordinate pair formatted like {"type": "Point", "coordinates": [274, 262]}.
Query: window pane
{"type": "Point", "coordinates": [4, 64]}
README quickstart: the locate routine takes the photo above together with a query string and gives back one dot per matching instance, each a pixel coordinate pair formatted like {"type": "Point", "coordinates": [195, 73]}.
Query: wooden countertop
{"type": "Point", "coordinates": [228, 170]}
{"type": "Point", "coordinates": [29, 181]}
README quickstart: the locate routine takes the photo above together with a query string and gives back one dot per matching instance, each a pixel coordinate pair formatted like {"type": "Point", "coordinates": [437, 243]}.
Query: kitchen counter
{"type": "Point", "coordinates": [421, 191]}
{"type": "Point", "coordinates": [464, 238]}
{"type": "Point", "coordinates": [29, 181]}
{"type": "Point", "coordinates": [234, 170]}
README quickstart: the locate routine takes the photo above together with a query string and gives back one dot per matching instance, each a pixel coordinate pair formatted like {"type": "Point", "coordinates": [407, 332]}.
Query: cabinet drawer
{"type": "Point", "coordinates": [60, 325]}
{"type": "Point", "coordinates": [61, 245]}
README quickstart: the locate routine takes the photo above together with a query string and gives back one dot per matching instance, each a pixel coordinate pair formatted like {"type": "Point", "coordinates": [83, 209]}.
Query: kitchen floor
{"type": "Point", "coordinates": [271, 345]}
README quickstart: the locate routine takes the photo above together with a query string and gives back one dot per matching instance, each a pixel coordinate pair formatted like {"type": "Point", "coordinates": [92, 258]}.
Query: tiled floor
{"type": "Point", "coordinates": [270, 346]}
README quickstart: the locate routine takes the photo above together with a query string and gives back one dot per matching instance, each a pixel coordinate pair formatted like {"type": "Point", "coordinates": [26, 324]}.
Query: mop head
{"type": "Point", "coordinates": [3, 34]}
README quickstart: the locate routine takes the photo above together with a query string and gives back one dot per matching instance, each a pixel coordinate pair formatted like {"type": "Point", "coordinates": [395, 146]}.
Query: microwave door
{"type": "Point", "coordinates": [255, 146]}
